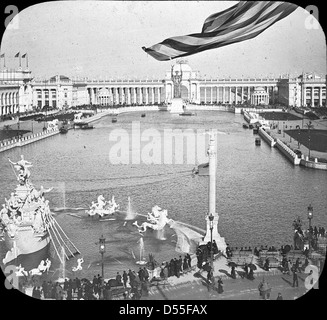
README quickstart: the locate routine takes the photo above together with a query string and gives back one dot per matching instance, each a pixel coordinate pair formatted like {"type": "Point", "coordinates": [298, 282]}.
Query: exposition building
{"type": "Point", "coordinates": [20, 91]}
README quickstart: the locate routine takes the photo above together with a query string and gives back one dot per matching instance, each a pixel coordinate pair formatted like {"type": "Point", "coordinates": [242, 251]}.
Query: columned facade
{"type": "Point", "coordinates": [25, 93]}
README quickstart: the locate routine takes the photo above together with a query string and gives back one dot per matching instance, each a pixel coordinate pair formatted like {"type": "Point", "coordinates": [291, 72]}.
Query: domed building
{"type": "Point", "coordinates": [260, 96]}
{"type": "Point", "coordinates": [181, 73]}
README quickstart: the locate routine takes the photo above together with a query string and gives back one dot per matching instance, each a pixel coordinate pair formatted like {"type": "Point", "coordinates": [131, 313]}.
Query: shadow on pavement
{"type": "Point", "coordinates": [287, 281]}
{"type": "Point", "coordinates": [226, 273]}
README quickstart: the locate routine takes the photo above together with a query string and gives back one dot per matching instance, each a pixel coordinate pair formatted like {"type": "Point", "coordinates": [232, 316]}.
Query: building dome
{"type": "Point", "coordinates": [184, 67]}
{"type": "Point", "coordinates": [259, 89]}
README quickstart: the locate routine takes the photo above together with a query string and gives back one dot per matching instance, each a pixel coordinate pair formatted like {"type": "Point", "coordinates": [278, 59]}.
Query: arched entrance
{"type": "Point", "coordinates": [184, 93]}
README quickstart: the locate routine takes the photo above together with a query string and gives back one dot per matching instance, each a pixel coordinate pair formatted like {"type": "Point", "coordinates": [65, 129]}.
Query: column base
{"type": "Point", "coordinates": [220, 241]}
{"type": "Point", "coordinates": [176, 105]}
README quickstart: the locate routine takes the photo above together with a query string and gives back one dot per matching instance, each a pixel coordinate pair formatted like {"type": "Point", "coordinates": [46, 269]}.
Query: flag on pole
{"type": "Point", "coordinates": [17, 54]}
{"type": "Point", "coordinates": [25, 56]}
{"type": "Point", "coordinates": [243, 21]}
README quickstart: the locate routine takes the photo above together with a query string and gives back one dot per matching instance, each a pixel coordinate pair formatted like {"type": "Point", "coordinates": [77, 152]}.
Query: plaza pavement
{"type": "Point", "coordinates": [191, 286]}
{"type": "Point", "coordinates": [319, 124]}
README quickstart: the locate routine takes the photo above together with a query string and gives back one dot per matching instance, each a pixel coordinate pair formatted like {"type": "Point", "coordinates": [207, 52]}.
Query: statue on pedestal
{"type": "Point", "coordinates": [177, 79]}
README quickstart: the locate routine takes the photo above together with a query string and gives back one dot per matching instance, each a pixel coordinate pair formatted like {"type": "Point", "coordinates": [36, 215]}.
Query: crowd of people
{"type": "Point", "coordinates": [129, 285]}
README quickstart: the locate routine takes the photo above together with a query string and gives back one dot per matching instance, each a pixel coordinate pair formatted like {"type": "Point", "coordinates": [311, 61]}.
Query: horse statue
{"type": "Point", "coordinates": [102, 208]}
{"type": "Point", "coordinates": [97, 208]}
{"type": "Point", "coordinates": [79, 265]}
{"type": "Point", "coordinates": [112, 206]}
{"type": "Point", "coordinates": [158, 219]}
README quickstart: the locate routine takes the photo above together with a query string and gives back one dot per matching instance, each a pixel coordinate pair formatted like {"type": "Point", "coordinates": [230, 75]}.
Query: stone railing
{"type": "Point", "coordinates": [288, 152]}
{"type": "Point", "coordinates": [28, 139]}
{"type": "Point", "coordinates": [306, 162]}
{"type": "Point", "coordinates": [267, 137]}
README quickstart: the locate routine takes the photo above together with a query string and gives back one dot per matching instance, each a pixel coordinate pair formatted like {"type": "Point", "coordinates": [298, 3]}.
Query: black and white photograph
{"type": "Point", "coordinates": [163, 150]}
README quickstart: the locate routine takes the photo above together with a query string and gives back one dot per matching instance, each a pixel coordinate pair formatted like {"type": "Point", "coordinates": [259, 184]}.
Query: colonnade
{"type": "Point", "coordinates": [233, 94]}
{"type": "Point", "coordinates": [126, 95]}
{"type": "Point", "coordinates": [46, 97]}
{"type": "Point", "coordinates": [9, 102]}
{"type": "Point", "coordinates": [314, 95]}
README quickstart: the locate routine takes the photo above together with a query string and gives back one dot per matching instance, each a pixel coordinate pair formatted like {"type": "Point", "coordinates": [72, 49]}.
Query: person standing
{"type": "Point", "coordinates": [125, 278]}
{"type": "Point", "coordinates": [295, 278]}
{"type": "Point", "coordinates": [279, 297]}
{"type": "Point", "coordinates": [233, 273]}
{"type": "Point", "coordinates": [220, 285]}
{"type": "Point", "coordinates": [189, 260]}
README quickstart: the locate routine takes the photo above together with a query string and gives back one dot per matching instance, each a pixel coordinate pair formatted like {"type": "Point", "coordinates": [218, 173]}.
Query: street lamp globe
{"type": "Point", "coordinates": [310, 212]}
{"type": "Point", "coordinates": [102, 245]}
{"type": "Point", "coordinates": [211, 221]}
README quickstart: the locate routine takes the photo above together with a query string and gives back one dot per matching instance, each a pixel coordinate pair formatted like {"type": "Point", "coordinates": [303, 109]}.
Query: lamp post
{"type": "Point", "coordinates": [102, 250]}
{"type": "Point", "coordinates": [211, 251]}
{"type": "Point", "coordinates": [310, 216]}
{"type": "Point", "coordinates": [284, 129]}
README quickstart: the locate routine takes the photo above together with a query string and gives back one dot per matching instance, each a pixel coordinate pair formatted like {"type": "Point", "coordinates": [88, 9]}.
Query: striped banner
{"type": "Point", "coordinates": [243, 21]}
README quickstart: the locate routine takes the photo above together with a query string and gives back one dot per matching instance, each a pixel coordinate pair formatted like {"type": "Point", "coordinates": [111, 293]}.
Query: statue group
{"type": "Point", "coordinates": [102, 207]}
{"type": "Point", "coordinates": [157, 219]}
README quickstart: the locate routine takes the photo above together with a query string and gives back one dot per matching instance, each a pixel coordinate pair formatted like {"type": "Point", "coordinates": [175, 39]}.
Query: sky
{"type": "Point", "coordinates": [104, 39]}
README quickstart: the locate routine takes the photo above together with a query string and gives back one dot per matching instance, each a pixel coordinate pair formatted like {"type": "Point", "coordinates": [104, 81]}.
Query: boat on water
{"type": "Point", "coordinates": [257, 141]}
{"type": "Point", "coordinates": [143, 115]}
{"type": "Point", "coordinates": [114, 120]}
{"type": "Point", "coordinates": [187, 113]}
{"type": "Point", "coordinates": [87, 126]}
{"type": "Point", "coordinates": [27, 224]}
{"type": "Point", "coordinates": [245, 126]}
{"type": "Point", "coordinates": [63, 130]}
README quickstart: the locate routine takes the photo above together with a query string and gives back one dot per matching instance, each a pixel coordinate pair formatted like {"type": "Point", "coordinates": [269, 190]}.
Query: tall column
{"type": "Point", "coordinates": [116, 96]}
{"type": "Point", "coordinates": [242, 94]}
{"type": "Point", "coordinates": [211, 89]}
{"type": "Point", "coordinates": [312, 96]}
{"type": "Point", "coordinates": [141, 96]}
{"type": "Point", "coordinates": [205, 95]}
{"type": "Point", "coordinates": [43, 98]}
{"type": "Point", "coordinates": [320, 96]}
{"type": "Point", "coordinates": [146, 95]}
{"type": "Point", "coordinates": [128, 95]}
{"type": "Point", "coordinates": [273, 95]}
{"type": "Point", "coordinates": [249, 94]}
{"type": "Point", "coordinates": [230, 95]}
{"type": "Point", "coordinates": [236, 94]}
{"type": "Point", "coordinates": [212, 199]}
{"type": "Point", "coordinates": [223, 94]}
{"type": "Point", "coordinates": [159, 96]}
{"type": "Point", "coordinates": [217, 90]}
{"type": "Point", "coordinates": [152, 95]}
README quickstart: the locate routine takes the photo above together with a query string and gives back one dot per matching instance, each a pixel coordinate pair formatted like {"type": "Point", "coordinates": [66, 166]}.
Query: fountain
{"type": "Point", "coordinates": [130, 214]}
{"type": "Point", "coordinates": [142, 260]}
{"type": "Point", "coordinates": [62, 268]}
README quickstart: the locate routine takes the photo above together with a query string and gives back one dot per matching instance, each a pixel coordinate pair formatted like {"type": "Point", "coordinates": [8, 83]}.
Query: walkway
{"type": "Point", "coordinates": [284, 137]}
{"type": "Point", "coordinates": [190, 287]}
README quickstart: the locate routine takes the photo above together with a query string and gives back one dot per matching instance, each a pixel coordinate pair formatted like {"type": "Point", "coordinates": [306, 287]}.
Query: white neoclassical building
{"type": "Point", "coordinates": [259, 96]}
{"type": "Point", "coordinates": [19, 91]}
{"type": "Point", "coordinates": [15, 91]}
